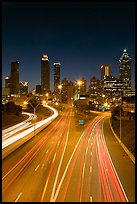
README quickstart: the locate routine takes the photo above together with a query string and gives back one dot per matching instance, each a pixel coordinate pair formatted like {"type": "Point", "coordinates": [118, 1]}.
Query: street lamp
{"type": "Point", "coordinates": [120, 119]}
{"type": "Point", "coordinates": [34, 111]}
{"type": "Point", "coordinates": [47, 96]}
{"type": "Point", "coordinates": [44, 102]}
{"type": "Point", "coordinates": [79, 83]}
{"type": "Point", "coordinates": [25, 103]}
{"type": "Point", "coordinates": [60, 87]}
{"type": "Point", "coordinates": [120, 122]}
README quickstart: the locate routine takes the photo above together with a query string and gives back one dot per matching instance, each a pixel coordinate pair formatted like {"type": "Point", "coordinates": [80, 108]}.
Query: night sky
{"type": "Point", "coordinates": [81, 36]}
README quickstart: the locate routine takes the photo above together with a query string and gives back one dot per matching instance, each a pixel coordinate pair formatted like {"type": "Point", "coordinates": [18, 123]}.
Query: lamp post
{"type": "Point", "coordinates": [34, 111]}
{"type": "Point", "coordinates": [60, 87]}
{"type": "Point", "coordinates": [47, 96]}
{"type": "Point", "coordinates": [120, 122]}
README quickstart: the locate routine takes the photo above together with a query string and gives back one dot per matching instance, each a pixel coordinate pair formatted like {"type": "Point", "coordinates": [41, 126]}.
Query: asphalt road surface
{"type": "Point", "coordinates": [64, 164]}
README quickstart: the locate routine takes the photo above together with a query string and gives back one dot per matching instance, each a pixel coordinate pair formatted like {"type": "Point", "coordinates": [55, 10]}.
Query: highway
{"type": "Point", "coordinates": [8, 132]}
{"type": "Point", "coordinates": [63, 164]}
{"type": "Point", "coordinates": [13, 134]}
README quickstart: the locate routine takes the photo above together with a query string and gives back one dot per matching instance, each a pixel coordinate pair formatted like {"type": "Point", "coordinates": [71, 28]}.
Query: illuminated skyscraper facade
{"type": "Point", "coordinates": [14, 86]}
{"type": "Point", "coordinates": [23, 87]}
{"type": "Point", "coordinates": [56, 77]}
{"type": "Point", "coordinates": [7, 82]}
{"type": "Point", "coordinates": [105, 70]}
{"type": "Point", "coordinates": [45, 74]}
{"type": "Point", "coordinates": [125, 71]}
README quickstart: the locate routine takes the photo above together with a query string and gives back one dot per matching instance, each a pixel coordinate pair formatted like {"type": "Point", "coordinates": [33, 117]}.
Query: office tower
{"type": "Point", "coordinates": [64, 91]}
{"type": "Point", "coordinates": [45, 74]}
{"type": "Point", "coordinates": [125, 70]}
{"type": "Point", "coordinates": [105, 70]}
{"type": "Point", "coordinates": [56, 78]}
{"type": "Point", "coordinates": [112, 87]}
{"type": "Point", "coordinates": [14, 86]}
{"type": "Point", "coordinates": [23, 87]}
{"type": "Point", "coordinates": [94, 87]}
{"type": "Point", "coordinates": [70, 95]}
{"type": "Point", "coordinates": [81, 86]}
{"type": "Point", "coordinates": [7, 81]}
{"type": "Point", "coordinates": [38, 89]}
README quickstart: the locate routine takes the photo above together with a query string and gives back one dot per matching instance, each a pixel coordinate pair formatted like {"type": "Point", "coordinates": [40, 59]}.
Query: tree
{"type": "Point", "coordinates": [116, 111]}
{"type": "Point", "coordinates": [33, 102]}
{"type": "Point", "coordinates": [10, 107]}
{"type": "Point", "coordinates": [18, 110]}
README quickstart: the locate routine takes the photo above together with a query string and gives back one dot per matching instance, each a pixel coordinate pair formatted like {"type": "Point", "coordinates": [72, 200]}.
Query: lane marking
{"type": "Point", "coordinates": [55, 182]}
{"type": "Point", "coordinates": [63, 176]}
{"type": "Point", "coordinates": [90, 169]}
{"type": "Point", "coordinates": [18, 197]}
{"type": "Point", "coordinates": [37, 168]}
{"type": "Point", "coordinates": [83, 170]}
{"type": "Point", "coordinates": [86, 150]}
{"type": "Point", "coordinates": [68, 164]}
{"type": "Point", "coordinates": [58, 142]}
{"type": "Point", "coordinates": [90, 198]}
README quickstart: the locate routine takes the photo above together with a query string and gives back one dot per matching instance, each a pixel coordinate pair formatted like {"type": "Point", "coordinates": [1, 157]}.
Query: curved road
{"type": "Point", "coordinates": [62, 164]}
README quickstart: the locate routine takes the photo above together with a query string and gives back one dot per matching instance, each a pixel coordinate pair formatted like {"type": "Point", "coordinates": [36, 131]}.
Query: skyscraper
{"type": "Point", "coordinates": [56, 77]}
{"type": "Point", "coordinates": [23, 87]}
{"type": "Point", "coordinates": [125, 70]}
{"type": "Point", "coordinates": [105, 70]}
{"type": "Point", "coordinates": [7, 82]}
{"type": "Point", "coordinates": [45, 74]}
{"type": "Point", "coordinates": [14, 86]}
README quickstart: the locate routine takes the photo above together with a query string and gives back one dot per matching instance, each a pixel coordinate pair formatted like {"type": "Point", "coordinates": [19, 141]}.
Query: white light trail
{"type": "Point", "coordinates": [18, 136]}
{"type": "Point", "coordinates": [19, 126]}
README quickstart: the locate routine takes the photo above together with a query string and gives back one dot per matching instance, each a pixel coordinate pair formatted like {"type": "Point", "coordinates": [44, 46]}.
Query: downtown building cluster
{"type": "Point", "coordinates": [66, 91]}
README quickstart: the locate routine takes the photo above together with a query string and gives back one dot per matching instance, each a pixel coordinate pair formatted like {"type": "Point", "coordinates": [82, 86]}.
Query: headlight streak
{"type": "Point", "coordinates": [6, 133]}
{"type": "Point", "coordinates": [72, 159]}
{"type": "Point", "coordinates": [111, 186]}
{"type": "Point", "coordinates": [31, 117]}
{"type": "Point", "coordinates": [62, 156]}
{"type": "Point", "coordinates": [15, 138]}
{"type": "Point", "coordinates": [40, 145]}
{"type": "Point", "coordinates": [106, 181]}
{"type": "Point", "coordinates": [31, 150]}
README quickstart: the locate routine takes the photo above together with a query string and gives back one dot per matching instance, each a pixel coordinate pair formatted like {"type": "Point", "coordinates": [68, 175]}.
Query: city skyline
{"type": "Point", "coordinates": [70, 33]}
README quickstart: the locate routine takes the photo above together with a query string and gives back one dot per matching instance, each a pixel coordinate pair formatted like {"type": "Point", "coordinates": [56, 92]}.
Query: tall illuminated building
{"type": "Point", "coordinates": [56, 77]}
{"type": "Point", "coordinates": [105, 70]}
{"type": "Point", "coordinates": [23, 87]}
{"type": "Point", "coordinates": [45, 74]}
{"type": "Point", "coordinates": [125, 70]}
{"type": "Point", "coordinates": [14, 81]}
{"type": "Point", "coordinates": [7, 82]}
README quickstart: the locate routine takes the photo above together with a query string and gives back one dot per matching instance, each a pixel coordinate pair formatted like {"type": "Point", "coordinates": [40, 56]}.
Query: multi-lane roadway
{"type": "Point", "coordinates": [67, 163]}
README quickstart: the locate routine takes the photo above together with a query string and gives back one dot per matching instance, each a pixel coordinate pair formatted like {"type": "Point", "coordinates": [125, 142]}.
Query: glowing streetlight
{"type": "Point", "coordinates": [79, 84]}
{"type": "Point", "coordinates": [103, 95]}
{"type": "Point", "coordinates": [47, 96]}
{"type": "Point", "coordinates": [44, 102]}
{"type": "Point", "coordinates": [60, 87]}
{"type": "Point", "coordinates": [34, 109]}
{"type": "Point", "coordinates": [105, 104]}
{"type": "Point", "coordinates": [25, 103]}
